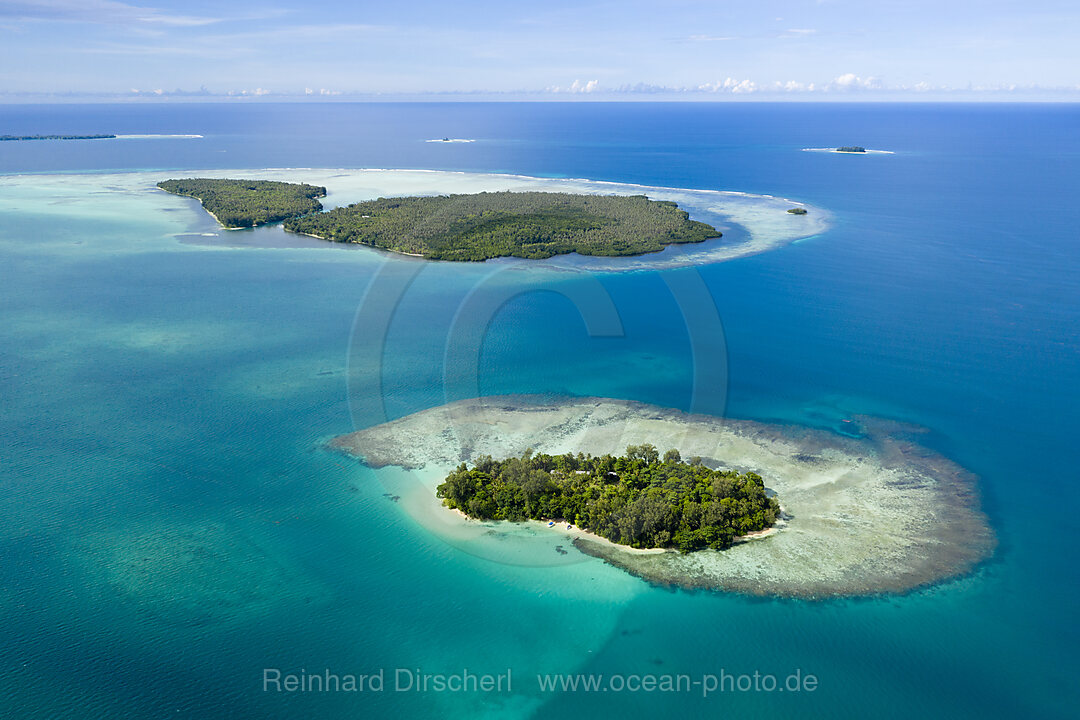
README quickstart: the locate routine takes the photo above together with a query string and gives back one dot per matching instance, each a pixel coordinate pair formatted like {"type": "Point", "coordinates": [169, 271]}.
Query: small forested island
{"type": "Point", "coordinates": [797, 211]}
{"type": "Point", "coordinates": [55, 137]}
{"type": "Point", "coordinates": [638, 499]}
{"type": "Point", "coordinates": [851, 149]}
{"type": "Point", "coordinates": [499, 224]}
{"type": "Point", "coordinates": [247, 203]}
{"type": "Point", "coordinates": [861, 515]}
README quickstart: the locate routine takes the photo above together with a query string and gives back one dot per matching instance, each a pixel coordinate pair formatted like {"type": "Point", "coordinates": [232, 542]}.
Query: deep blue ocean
{"type": "Point", "coordinates": [171, 526]}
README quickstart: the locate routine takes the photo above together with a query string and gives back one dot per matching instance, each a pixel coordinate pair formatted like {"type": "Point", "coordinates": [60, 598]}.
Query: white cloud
{"type": "Point", "coordinates": [846, 83]}
{"type": "Point", "coordinates": [730, 85]}
{"type": "Point", "coordinates": [577, 87]}
{"type": "Point", "coordinates": [710, 38]}
{"type": "Point", "coordinates": [850, 82]}
{"type": "Point", "coordinates": [257, 92]}
{"type": "Point", "coordinates": [107, 12]}
{"type": "Point", "coordinates": [794, 86]}
{"type": "Point", "coordinates": [161, 92]}
{"type": "Point", "coordinates": [647, 89]}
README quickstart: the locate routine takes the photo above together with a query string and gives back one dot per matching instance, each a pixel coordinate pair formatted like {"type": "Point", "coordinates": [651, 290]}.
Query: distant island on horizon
{"type": "Point", "coordinates": [17, 138]}
{"type": "Point", "coordinates": [463, 227]}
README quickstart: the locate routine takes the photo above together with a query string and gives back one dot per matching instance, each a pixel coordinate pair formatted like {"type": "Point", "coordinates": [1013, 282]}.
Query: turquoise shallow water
{"type": "Point", "coordinates": [171, 526]}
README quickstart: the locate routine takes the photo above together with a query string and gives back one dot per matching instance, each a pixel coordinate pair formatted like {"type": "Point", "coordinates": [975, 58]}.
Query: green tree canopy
{"type": "Point", "coordinates": [498, 224]}
{"type": "Point", "coordinates": [247, 203]}
{"type": "Point", "coordinates": [635, 499]}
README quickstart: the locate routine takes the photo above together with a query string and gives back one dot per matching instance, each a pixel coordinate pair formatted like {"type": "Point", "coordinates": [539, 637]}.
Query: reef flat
{"type": "Point", "coordinates": [860, 515]}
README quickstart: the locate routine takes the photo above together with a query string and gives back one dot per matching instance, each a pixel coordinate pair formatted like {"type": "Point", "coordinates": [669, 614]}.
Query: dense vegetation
{"type": "Point", "coordinates": [851, 148]}
{"type": "Point", "coordinates": [640, 499]}
{"type": "Point", "coordinates": [797, 211]}
{"type": "Point", "coordinates": [247, 203]}
{"type": "Point", "coordinates": [56, 137]}
{"type": "Point", "coordinates": [499, 224]}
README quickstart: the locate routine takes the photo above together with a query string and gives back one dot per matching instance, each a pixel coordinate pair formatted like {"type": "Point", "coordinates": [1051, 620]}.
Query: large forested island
{"type": "Point", "coordinates": [499, 224]}
{"type": "Point", "coordinates": [638, 499]}
{"type": "Point", "coordinates": [247, 203]}
{"type": "Point", "coordinates": [476, 226]}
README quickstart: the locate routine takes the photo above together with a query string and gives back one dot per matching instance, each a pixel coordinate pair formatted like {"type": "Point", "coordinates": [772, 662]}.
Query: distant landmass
{"type": "Point", "coordinates": [468, 227]}
{"type": "Point", "coordinates": [849, 150]}
{"type": "Point", "coordinates": [55, 137]}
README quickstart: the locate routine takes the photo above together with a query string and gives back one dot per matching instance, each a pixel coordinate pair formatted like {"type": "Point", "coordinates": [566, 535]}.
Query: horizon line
{"type": "Point", "coordinates": [953, 97]}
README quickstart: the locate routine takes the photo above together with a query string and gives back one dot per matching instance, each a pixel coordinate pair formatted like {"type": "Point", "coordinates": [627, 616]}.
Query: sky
{"type": "Point", "coordinates": [628, 49]}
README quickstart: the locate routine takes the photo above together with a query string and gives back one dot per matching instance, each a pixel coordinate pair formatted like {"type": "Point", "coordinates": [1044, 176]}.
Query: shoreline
{"type": "Point", "coordinates": [862, 515]}
{"type": "Point", "coordinates": [576, 533]}
{"type": "Point", "coordinates": [282, 222]}
{"type": "Point", "coordinates": [210, 213]}
{"type": "Point", "coordinates": [749, 223]}
{"type": "Point", "coordinates": [573, 532]}
{"type": "Point", "coordinates": [389, 250]}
